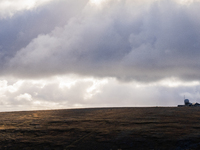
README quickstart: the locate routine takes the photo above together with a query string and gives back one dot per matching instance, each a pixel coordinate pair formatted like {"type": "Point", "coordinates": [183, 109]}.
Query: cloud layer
{"type": "Point", "coordinates": [129, 40]}
{"type": "Point", "coordinates": [147, 43]}
{"type": "Point", "coordinates": [74, 91]}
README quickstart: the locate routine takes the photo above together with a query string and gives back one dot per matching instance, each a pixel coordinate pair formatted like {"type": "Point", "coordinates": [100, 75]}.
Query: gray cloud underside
{"type": "Point", "coordinates": [126, 39]}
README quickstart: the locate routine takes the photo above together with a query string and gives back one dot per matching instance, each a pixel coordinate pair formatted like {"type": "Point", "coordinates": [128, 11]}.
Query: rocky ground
{"type": "Point", "coordinates": [155, 128]}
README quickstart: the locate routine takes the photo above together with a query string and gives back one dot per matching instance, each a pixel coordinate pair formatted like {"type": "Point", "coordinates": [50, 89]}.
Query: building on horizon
{"type": "Point", "coordinates": [188, 104]}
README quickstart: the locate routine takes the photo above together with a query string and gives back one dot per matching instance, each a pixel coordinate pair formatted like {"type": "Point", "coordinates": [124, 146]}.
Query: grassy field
{"type": "Point", "coordinates": [157, 128]}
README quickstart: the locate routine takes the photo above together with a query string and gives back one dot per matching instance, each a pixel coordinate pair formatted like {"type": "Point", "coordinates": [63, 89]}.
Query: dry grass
{"type": "Point", "coordinates": [106, 128]}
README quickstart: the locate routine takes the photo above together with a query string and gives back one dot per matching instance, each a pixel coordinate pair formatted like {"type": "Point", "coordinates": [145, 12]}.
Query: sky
{"type": "Point", "coordinates": [60, 54]}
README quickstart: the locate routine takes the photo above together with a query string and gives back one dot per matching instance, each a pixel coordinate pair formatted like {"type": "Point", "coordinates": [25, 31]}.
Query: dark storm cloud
{"type": "Point", "coordinates": [19, 30]}
{"type": "Point", "coordinates": [129, 40]}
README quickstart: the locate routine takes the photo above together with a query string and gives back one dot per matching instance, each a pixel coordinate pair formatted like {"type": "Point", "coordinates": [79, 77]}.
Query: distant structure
{"type": "Point", "coordinates": [188, 104]}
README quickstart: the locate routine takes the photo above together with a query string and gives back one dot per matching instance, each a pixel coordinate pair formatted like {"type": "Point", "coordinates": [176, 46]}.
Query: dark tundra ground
{"type": "Point", "coordinates": [102, 129]}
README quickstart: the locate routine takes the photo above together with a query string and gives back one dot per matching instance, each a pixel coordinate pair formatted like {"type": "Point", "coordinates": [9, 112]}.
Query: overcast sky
{"type": "Point", "coordinates": [98, 53]}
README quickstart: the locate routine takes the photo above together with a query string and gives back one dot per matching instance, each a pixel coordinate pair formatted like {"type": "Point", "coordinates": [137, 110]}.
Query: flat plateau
{"type": "Point", "coordinates": [158, 128]}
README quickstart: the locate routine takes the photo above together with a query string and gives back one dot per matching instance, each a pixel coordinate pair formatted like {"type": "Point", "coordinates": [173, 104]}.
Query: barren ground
{"type": "Point", "coordinates": [155, 128]}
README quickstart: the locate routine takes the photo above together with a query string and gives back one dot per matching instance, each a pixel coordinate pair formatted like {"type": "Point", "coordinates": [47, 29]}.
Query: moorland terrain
{"type": "Point", "coordinates": [158, 128]}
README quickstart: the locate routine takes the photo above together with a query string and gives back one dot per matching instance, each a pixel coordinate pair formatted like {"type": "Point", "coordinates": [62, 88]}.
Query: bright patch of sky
{"type": "Point", "coordinates": [97, 3]}
{"type": "Point", "coordinates": [9, 7]}
{"type": "Point", "coordinates": [73, 91]}
{"type": "Point", "coordinates": [186, 2]}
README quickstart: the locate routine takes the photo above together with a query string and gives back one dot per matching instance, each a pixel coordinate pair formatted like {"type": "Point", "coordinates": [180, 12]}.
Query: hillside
{"type": "Point", "coordinates": [156, 128]}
